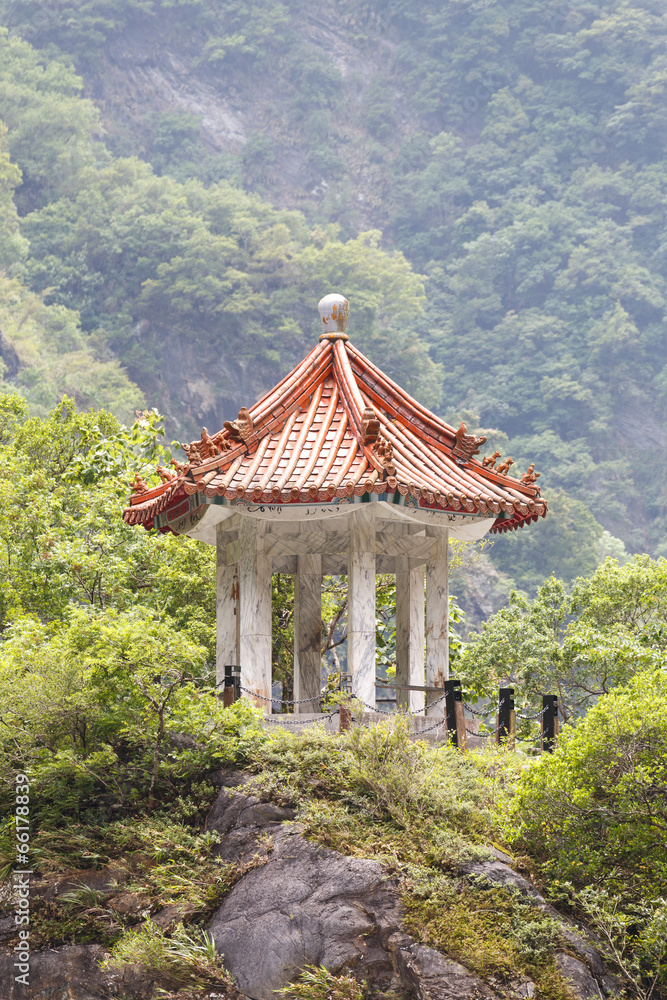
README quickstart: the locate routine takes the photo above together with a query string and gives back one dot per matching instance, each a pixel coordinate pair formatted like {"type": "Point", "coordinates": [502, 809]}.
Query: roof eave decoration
{"type": "Point", "coordinates": [335, 428]}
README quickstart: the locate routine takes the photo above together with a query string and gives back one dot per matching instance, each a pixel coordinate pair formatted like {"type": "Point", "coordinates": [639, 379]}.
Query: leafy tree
{"type": "Point", "coordinates": [12, 246]}
{"type": "Point", "coordinates": [565, 542]}
{"type": "Point", "coordinates": [579, 647]}
{"type": "Point", "coordinates": [593, 813]}
{"type": "Point", "coordinates": [79, 28]}
{"type": "Point", "coordinates": [594, 810]}
{"type": "Point", "coordinates": [63, 538]}
{"type": "Point", "coordinates": [51, 127]}
{"type": "Point", "coordinates": [53, 357]}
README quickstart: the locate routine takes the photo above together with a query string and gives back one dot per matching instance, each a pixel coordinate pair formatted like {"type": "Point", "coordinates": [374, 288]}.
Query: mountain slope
{"type": "Point", "coordinates": [514, 154]}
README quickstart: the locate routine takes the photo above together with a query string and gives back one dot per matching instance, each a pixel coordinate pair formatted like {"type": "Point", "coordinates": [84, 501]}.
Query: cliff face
{"type": "Point", "coordinates": [306, 146]}
{"type": "Point", "coordinates": [485, 145]}
{"type": "Point", "coordinates": [300, 904]}
{"type": "Point", "coordinates": [301, 146]}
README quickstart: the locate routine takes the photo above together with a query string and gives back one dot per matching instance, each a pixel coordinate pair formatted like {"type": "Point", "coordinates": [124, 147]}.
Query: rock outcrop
{"type": "Point", "coordinates": [298, 904]}
{"type": "Point", "coordinates": [309, 905]}
{"type": "Point", "coordinates": [70, 973]}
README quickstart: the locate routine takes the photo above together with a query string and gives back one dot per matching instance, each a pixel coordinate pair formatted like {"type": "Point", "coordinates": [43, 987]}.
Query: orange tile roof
{"type": "Point", "coordinates": [337, 427]}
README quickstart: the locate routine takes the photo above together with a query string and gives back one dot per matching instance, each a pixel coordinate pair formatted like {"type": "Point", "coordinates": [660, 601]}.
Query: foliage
{"type": "Point", "coordinates": [282, 632]}
{"type": "Point", "coordinates": [566, 543]}
{"type": "Point", "coordinates": [317, 983]}
{"type": "Point", "coordinates": [182, 960]}
{"type": "Point", "coordinates": [377, 787]}
{"type": "Point", "coordinates": [594, 811]}
{"type": "Point", "coordinates": [69, 543]}
{"type": "Point", "coordinates": [50, 126]}
{"type": "Point", "coordinates": [491, 930]}
{"type": "Point", "coordinates": [634, 937]}
{"type": "Point", "coordinates": [53, 358]}
{"type": "Point", "coordinates": [14, 247]}
{"type": "Point", "coordinates": [578, 647]}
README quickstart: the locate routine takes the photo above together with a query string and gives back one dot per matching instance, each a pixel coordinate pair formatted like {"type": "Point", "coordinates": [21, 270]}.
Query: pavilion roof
{"type": "Point", "coordinates": [337, 427]}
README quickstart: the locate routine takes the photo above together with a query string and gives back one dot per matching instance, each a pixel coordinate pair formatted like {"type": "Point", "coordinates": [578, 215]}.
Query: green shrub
{"type": "Point", "coordinates": [182, 960]}
{"type": "Point", "coordinates": [317, 983]}
{"type": "Point", "coordinates": [596, 808]}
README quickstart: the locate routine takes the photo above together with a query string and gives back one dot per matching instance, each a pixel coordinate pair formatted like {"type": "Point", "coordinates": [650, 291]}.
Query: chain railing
{"type": "Point", "coordinates": [279, 698]}
{"type": "Point", "coordinates": [453, 720]}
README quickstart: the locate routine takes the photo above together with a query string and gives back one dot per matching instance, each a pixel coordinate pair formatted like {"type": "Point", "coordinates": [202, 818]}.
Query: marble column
{"type": "Point", "coordinates": [226, 609]}
{"type": "Point", "coordinates": [255, 611]}
{"type": "Point", "coordinates": [409, 633]}
{"type": "Point", "coordinates": [308, 632]}
{"type": "Point", "coordinates": [361, 603]}
{"type": "Point", "coordinates": [437, 616]}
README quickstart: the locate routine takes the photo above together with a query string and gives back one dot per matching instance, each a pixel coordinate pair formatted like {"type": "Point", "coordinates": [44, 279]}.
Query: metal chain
{"type": "Point", "coordinates": [431, 704]}
{"type": "Point", "coordinates": [428, 729]}
{"type": "Point", "coordinates": [301, 722]}
{"type": "Point", "coordinates": [531, 718]}
{"type": "Point", "coordinates": [372, 708]}
{"type": "Point", "coordinates": [489, 710]}
{"type": "Point", "coordinates": [283, 701]}
{"type": "Point", "coordinates": [484, 736]}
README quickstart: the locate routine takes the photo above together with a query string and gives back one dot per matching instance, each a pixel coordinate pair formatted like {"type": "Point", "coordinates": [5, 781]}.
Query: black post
{"type": "Point", "coordinates": [232, 686]}
{"type": "Point", "coordinates": [505, 709]}
{"type": "Point", "coordinates": [454, 713]}
{"type": "Point", "coordinates": [549, 722]}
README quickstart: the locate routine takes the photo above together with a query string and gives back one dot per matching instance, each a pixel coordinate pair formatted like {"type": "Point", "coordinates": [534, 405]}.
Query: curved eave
{"type": "Point", "coordinates": [307, 441]}
{"type": "Point", "coordinates": [180, 503]}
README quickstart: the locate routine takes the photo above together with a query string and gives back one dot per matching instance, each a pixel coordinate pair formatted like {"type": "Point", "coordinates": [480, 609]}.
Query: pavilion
{"type": "Point", "coordinates": [336, 470]}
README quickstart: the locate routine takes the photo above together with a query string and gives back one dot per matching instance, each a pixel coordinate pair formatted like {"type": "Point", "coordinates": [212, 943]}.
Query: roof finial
{"type": "Point", "coordinates": [334, 310]}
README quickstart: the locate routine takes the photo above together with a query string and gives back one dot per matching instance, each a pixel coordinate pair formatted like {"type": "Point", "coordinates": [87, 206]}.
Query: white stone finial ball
{"type": "Point", "coordinates": [334, 310]}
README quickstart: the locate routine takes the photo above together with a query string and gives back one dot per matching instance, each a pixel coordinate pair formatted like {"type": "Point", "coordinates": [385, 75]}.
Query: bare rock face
{"type": "Point", "coordinates": [61, 974]}
{"type": "Point", "coordinates": [431, 976]}
{"type": "Point", "coordinates": [578, 977]}
{"type": "Point", "coordinates": [310, 905]}
{"type": "Point", "coordinates": [8, 356]}
{"type": "Point", "coordinates": [305, 905]}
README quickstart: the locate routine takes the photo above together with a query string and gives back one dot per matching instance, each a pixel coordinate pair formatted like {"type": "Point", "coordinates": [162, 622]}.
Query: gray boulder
{"type": "Point", "coordinates": [578, 977]}
{"type": "Point", "coordinates": [60, 974]}
{"type": "Point", "coordinates": [309, 905]}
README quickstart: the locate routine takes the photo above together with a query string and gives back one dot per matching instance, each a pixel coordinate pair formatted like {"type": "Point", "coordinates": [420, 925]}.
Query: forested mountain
{"type": "Point", "coordinates": [484, 181]}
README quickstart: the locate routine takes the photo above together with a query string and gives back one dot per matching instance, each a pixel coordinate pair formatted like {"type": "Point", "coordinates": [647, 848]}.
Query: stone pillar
{"type": "Point", "coordinates": [409, 633]}
{"type": "Point", "coordinates": [308, 632]}
{"type": "Point", "coordinates": [437, 616]}
{"type": "Point", "coordinates": [361, 603]}
{"type": "Point", "coordinates": [226, 609]}
{"type": "Point", "coordinates": [255, 611]}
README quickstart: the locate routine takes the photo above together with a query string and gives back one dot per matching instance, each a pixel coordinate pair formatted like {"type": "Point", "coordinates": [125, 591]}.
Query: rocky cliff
{"type": "Point", "coordinates": [299, 905]}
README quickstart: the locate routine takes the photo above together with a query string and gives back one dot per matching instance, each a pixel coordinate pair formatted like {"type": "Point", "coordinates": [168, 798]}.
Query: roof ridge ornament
{"type": "Point", "coordinates": [466, 445]}
{"type": "Point", "coordinates": [334, 310]}
{"type": "Point", "coordinates": [241, 428]}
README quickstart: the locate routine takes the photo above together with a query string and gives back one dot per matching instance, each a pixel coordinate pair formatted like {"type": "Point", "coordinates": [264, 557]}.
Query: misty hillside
{"type": "Point", "coordinates": [484, 182]}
